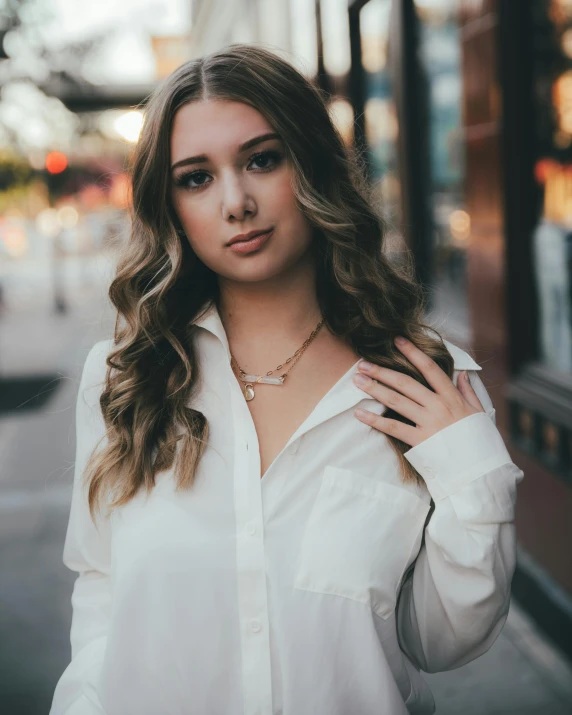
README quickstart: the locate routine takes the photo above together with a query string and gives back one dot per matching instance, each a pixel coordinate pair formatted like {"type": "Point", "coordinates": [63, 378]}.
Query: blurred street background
{"type": "Point", "coordinates": [463, 109]}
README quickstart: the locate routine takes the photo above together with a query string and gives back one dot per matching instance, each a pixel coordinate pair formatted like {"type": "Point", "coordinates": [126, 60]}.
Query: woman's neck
{"type": "Point", "coordinates": [265, 320]}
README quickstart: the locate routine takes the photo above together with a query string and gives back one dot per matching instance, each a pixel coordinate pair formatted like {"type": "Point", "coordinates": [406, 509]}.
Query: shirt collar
{"type": "Point", "coordinates": [209, 319]}
{"type": "Point", "coordinates": [461, 359]}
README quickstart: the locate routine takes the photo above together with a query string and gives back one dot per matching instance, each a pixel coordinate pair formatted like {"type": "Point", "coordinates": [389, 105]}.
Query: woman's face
{"type": "Point", "coordinates": [230, 176]}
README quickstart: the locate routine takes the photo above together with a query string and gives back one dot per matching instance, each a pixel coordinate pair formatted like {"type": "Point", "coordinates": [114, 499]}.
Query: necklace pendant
{"type": "Point", "coordinates": [263, 379]}
{"type": "Point", "coordinates": [270, 379]}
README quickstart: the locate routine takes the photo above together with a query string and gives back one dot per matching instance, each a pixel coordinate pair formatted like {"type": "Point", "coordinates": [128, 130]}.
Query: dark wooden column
{"type": "Point", "coordinates": [486, 266]}
{"type": "Point", "coordinates": [409, 86]}
{"type": "Point", "coordinates": [356, 80]}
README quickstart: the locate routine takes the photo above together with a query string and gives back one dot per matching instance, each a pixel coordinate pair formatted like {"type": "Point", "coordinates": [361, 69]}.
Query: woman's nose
{"type": "Point", "coordinates": [236, 199]}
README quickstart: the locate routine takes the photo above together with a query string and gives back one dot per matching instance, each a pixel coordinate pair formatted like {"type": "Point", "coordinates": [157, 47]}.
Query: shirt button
{"type": "Point", "coordinates": [255, 624]}
{"type": "Point", "coordinates": [251, 528]}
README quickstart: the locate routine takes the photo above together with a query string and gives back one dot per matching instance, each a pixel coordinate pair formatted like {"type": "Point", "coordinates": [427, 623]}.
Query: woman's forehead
{"type": "Point", "coordinates": [218, 126]}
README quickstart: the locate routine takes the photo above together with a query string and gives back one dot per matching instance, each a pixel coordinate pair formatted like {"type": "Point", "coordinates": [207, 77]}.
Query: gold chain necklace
{"type": "Point", "coordinates": [268, 379]}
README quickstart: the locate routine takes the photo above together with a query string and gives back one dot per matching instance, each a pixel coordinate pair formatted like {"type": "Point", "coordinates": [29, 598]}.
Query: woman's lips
{"type": "Point", "coordinates": [253, 244]}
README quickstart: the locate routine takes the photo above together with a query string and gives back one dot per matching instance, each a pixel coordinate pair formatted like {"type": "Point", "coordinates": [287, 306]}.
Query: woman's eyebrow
{"type": "Point", "coordinates": [202, 158]}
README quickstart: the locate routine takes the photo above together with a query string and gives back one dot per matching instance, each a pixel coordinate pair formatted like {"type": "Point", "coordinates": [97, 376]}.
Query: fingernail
{"type": "Point", "coordinates": [364, 365]}
{"type": "Point", "coordinates": [361, 379]}
{"type": "Point", "coordinates": [400, 341]}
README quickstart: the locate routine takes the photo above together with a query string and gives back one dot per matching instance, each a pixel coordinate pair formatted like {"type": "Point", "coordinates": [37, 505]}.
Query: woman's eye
{"type": "Point", "coordinates": [185, 179]}
{"type": "Point", "coordinates": [264, 156]}
{"type": "Point", "coordinates": [265, 160]}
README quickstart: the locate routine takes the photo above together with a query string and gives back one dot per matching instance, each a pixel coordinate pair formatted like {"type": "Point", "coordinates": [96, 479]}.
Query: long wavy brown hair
{"type": "Point", "coordinates": [160, 286]}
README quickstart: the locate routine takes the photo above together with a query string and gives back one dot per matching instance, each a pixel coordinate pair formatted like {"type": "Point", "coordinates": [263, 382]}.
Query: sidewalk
{"type": "Point", "coordinates": [521, 674]}
{"type": "Point", "coordinates": [35, 339]}
{"type": "Point", "coordinates": [36, 471]}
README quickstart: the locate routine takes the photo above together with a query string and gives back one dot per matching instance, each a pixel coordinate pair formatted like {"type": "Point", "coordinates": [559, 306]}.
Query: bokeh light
{"type": "Point", "coordinates": [56, 162]}
{"type": "Point", "coordinates": [460, 225]}
{"type": "Point", "coordinates": [68, 216]}
{"type": "Point", "coordinates": [128, 125]}
{"type": "Point", "coordinates": [48, 223]}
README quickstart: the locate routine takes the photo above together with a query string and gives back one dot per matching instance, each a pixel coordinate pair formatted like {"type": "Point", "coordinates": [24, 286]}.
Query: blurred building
{"type": "Point", "coordinates": [289, 26]}
{"type": "Point", "coordinates": [169, 52]}
{"type": "Point", "coordinates": [465, 110]}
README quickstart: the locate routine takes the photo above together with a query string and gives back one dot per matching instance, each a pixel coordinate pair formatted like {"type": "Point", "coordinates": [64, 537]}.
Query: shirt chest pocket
{"type": "Point", "coordinates": [360, 537]}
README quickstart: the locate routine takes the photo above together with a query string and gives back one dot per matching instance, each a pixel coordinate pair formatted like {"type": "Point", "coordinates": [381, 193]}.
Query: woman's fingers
{"type": "Point", "coordinates": [435, 376]}
{"type": "Point", "coordinates": [392, 428]}
{"type": "Point", "coordinates": [466, 389]}
{"type": "Point", "coordinates": [403, 384]}
{"type": "Point", "coordinates": [429, 411]}
{"type": "Point", "coordinates": [390, 398]}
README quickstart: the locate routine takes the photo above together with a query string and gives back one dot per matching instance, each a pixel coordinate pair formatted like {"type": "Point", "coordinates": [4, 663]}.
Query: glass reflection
{"type": "Point", "coordinates": [552, 240]}
{"type": "Point", "coordinates": [381, 123]}
{"type": "Point", "coordinates": [440, 59]}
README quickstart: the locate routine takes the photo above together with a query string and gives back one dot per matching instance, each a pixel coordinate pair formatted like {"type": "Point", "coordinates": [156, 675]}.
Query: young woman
{"type": "Point", "coordinates": [306, 497]}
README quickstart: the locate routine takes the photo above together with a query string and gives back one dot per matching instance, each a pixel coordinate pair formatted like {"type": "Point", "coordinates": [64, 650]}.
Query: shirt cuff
{"type": "Point", "coordinates": [458, 454]}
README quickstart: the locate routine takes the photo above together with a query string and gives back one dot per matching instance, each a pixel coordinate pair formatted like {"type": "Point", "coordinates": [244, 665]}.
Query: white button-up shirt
{"type": "Point", "coordinates": [321, 589]}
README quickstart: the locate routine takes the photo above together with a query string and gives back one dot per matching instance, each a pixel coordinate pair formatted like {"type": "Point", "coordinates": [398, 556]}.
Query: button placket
{"type": "Point", "coordinates": [252, 595]}
{"type": "Point", "coordinates": [273, 488]}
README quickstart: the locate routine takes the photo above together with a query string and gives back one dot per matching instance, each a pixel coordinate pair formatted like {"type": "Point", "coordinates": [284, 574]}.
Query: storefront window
{"type": "Point", "coordinates": [552, 243]}
{"type": "Point", "coordinates": [440, 60]}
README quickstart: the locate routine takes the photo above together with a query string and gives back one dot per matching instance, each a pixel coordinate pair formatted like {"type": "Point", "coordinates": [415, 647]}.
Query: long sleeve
{"type": "Point", "coordinates": [87, 551]}
{"type": "Point", "coordinates": [455, 600]}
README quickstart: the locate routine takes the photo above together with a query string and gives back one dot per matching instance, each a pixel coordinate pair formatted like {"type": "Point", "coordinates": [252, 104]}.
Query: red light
{"type": "Point", "coordinates": [56, 162]}
{"type": "Point", "coordinates": [543, 168]}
